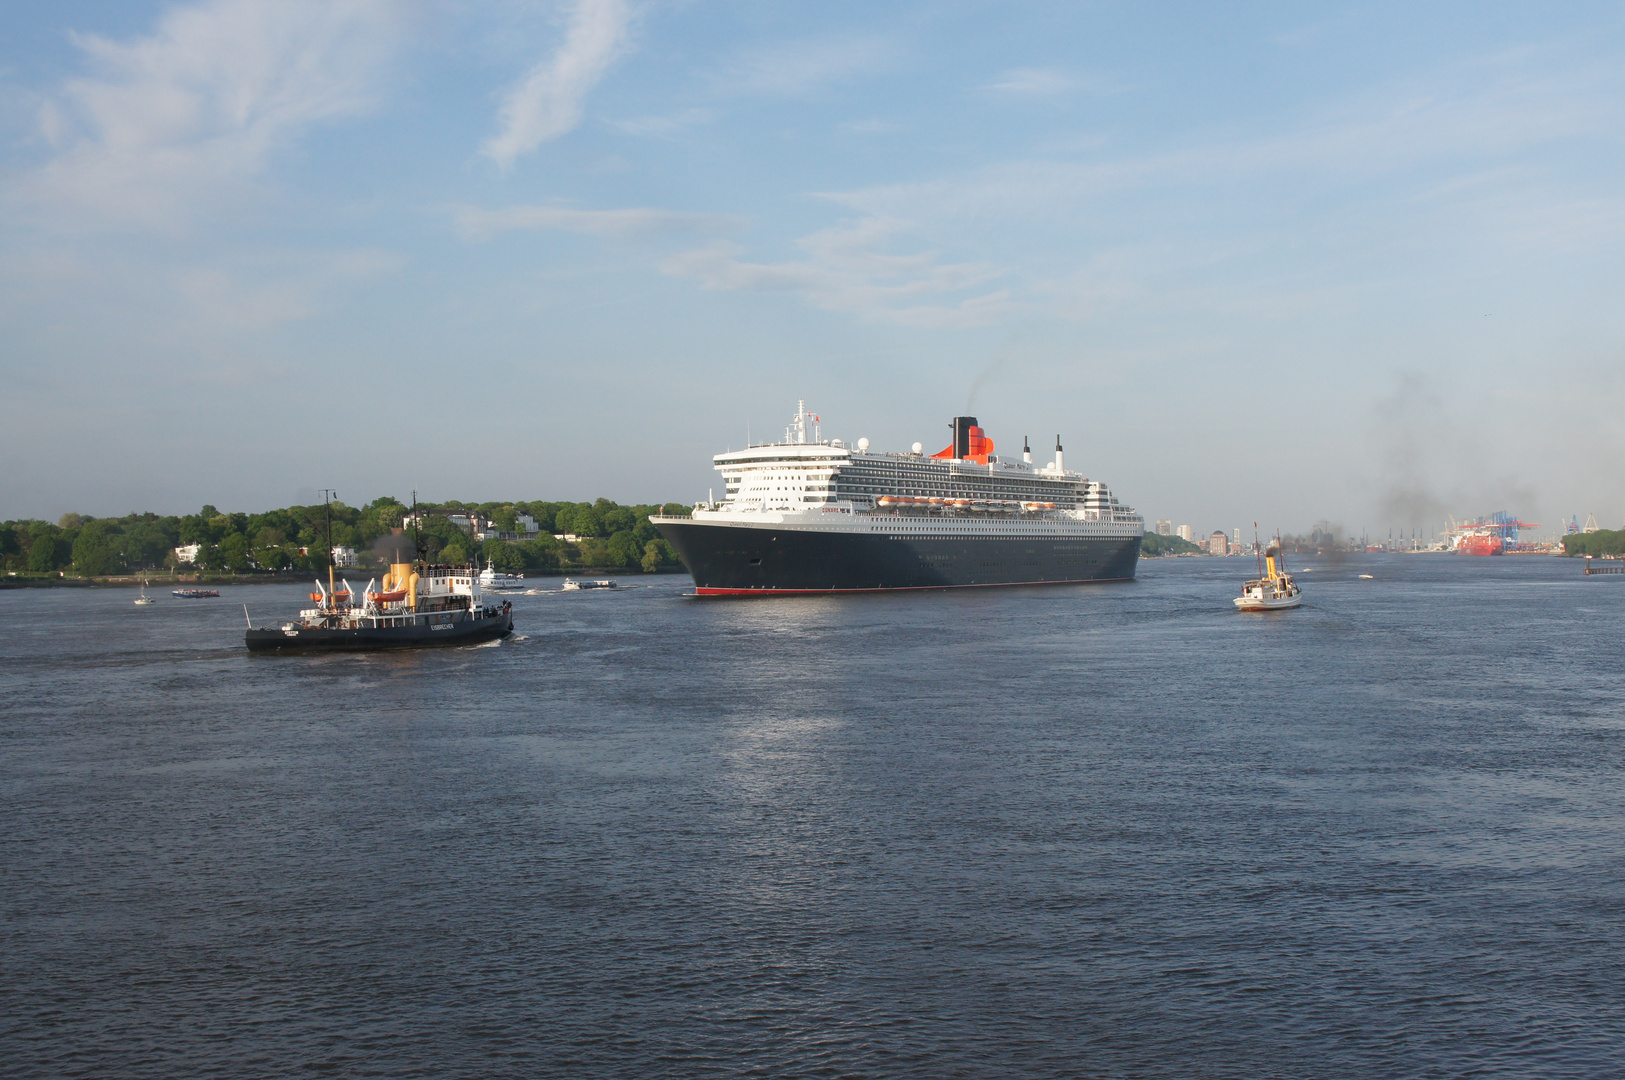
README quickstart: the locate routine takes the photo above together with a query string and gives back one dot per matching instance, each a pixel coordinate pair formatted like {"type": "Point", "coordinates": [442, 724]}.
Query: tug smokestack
{"type": "Point", "coordinates": [962, 426]}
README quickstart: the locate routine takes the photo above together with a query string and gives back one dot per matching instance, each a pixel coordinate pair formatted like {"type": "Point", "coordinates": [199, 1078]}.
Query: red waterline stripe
{"type": "Point", "coordinates": [704, 591]}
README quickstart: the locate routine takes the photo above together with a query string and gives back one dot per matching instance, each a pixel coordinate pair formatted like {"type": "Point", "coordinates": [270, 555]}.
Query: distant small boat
{"type": "Point", "coordinates": [494, 580]}
{"type": "Point", "coordinates": [143, 600]}
{"type": "Point", "coordinates": [195, 594]}
{"type": "Point", "coordinates": [570, 584]}
{"type": "Point", "coordinates": [1366, 577]}
{"type": "Point", "coordinates": [1274, 589]}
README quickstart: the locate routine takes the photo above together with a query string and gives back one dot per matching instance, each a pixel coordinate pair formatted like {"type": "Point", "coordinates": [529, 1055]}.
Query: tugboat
{"type": "Point", "coordinates": [420, 604]}
{"type": "Point", "coordinates": [1274, 589]}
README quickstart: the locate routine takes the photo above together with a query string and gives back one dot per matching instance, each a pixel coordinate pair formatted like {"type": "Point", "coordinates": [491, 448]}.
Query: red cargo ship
{"type": "Point", "coordinates": [1479, 544]}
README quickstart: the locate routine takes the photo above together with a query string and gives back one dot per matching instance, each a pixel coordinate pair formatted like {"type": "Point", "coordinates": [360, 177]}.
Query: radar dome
{"type": "Point", "coordinates": [863, 444]}
{"type": "Point", "coordinates": [918, 448]}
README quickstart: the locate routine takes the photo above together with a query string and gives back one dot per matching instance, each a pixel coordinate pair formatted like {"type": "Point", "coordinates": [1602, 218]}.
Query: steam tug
{"type": "Point", "coordinates": [419, 604]}
{"type": "Point", "coordinates": [810, 515]}
{"type": "Point", "coordinates": [1273, 589]}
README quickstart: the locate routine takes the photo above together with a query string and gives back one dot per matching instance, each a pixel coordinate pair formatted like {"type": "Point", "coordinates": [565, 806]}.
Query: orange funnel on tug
{"type": "Point", "coordinates": [970, 442]}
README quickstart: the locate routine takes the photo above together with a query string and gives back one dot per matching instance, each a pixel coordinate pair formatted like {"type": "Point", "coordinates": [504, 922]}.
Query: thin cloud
{"type": "Point", "coordinates": [548, 102]}
{"type": "Point", "coordinates": [628, 223]}
{"type": "Point", "coordinates": [804, 68]}
{"type": "Point", "coordinates": [847, 270]}
{"type": "Point", "coordinates": [1033, 82]}
{"type": "Point", "coordinates": [1382, 135]}
{"type": "Point", "coordinates": [665, 127]}
{"type": "Point", "coordinates": [201, 103]}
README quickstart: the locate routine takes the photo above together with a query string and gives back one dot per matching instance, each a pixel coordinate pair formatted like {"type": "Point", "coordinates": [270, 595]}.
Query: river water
{"type": "Point", "coordinates": [1115, 830]}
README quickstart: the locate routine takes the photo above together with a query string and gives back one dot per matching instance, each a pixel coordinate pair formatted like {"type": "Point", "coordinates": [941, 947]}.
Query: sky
{"type": "Point", "coordinates": [1284, 263]}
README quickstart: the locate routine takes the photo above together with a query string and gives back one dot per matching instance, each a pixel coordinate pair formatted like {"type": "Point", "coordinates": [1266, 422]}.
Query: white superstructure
{"type": "Point", "coordinates": [828, 485]}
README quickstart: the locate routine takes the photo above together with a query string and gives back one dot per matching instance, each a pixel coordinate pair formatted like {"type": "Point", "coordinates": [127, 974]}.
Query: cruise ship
{"type": "Point", "coordinates": [810, 515]}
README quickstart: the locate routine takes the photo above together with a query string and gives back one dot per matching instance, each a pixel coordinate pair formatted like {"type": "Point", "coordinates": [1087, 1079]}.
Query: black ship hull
{"type": "Point", "coordinates": [418, 636]}
{"type": "Point", "coordinates": [728, 560]}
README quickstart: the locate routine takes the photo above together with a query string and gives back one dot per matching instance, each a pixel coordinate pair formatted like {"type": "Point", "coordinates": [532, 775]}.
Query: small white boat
{"type": "Point", "coordinates": [143, 600]}
{"type": "Point", "coordinates": [570, 584]}
{"type": "Point", "coordinates": [492, 580]}
{"type": "Point", "coordinates": [1273, 589]}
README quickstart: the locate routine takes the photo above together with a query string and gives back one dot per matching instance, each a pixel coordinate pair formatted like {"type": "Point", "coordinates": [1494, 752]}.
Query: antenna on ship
{"type": "Point", "coordinates": [328, 495]}
{"type": "Point", "coordinates": [417, 539]}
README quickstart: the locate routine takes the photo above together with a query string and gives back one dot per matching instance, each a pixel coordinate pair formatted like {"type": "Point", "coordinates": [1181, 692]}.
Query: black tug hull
{"type": "Point", "coordinates": [304, 639]}
{"type": "Point", "coordinates": [730, 560]}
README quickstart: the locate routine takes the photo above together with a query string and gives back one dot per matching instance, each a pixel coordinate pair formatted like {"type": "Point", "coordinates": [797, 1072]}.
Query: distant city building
{"type": "Point", "coordinates": [1183, 532]}
{"type": "Point", "coordinates": [1165, 527]}
{"type": "Point", "coordinates": [344, 556]}
{"type": "Point", "coordinates": [1236, 543]}
{"type": "Point", "coordinates": [1218, 543]}
{"type": "Point", "coordinates": [187, 552]}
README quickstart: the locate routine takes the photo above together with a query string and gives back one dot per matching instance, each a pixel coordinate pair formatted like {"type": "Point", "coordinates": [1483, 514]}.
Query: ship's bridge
{"type": "Point", "coordinates": [782, 476]}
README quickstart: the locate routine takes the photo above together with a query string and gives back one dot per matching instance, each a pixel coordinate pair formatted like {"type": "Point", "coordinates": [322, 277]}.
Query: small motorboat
{"type": "Point", "coordinates": [195, 594]}
{"type": "Point", "coordinates": [1273, 589]}
{"type": "Point", "coordinates": [571, 585]}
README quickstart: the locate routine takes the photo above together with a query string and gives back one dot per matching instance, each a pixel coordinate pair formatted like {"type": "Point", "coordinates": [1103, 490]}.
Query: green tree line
{"type": "Point", "coordinates": [295, 538]}
{"type": "Point", "coordinates": [1605, 542]}
{"type": "Point", "coordinates": [1154, 545]}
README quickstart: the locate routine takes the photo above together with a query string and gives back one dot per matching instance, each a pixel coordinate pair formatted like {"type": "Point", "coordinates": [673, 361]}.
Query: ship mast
{"type": "Point", "coordinates": [328, 494]}
{"type": "Point", "coordinates": [417, 540]}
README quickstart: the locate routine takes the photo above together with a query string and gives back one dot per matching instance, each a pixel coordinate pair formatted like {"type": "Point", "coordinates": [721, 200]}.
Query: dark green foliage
{"type": "Point", "coordinates": [1154, 545]}
{"type": "Point", "coordinates": [49, 548]}
{"type": "Point", "coordinates": [1601, 544]}
{"type": "Point", "coordinates": [586, 521]}
{"type": "Point", "coordinates": [98, 549]}
{"type": "Point", "coordinates": [503, 556]}
{"type": "Point", "coordinates": [624, 550]}
{"type": "Point", "coordinates": [613, 536]}
{"type": "Point", "coordinates": [234, 551]}
{"type": "Point", "coordinates": [541, 553]}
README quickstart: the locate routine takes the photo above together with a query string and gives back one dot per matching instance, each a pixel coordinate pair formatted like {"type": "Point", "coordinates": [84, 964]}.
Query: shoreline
{"type": "Point", "coordinates": [157, 582]}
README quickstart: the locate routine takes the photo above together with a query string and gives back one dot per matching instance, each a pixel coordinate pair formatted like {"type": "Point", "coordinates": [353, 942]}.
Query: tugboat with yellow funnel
{"type": "Point", "coordinates": [420, 604]}
{"type": "Point", "coordinates": [1274, 589]}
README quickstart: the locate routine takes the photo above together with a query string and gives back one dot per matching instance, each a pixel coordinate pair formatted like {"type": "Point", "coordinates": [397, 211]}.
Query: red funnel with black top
{"type": "Point", "coordinates": [970, 442]}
